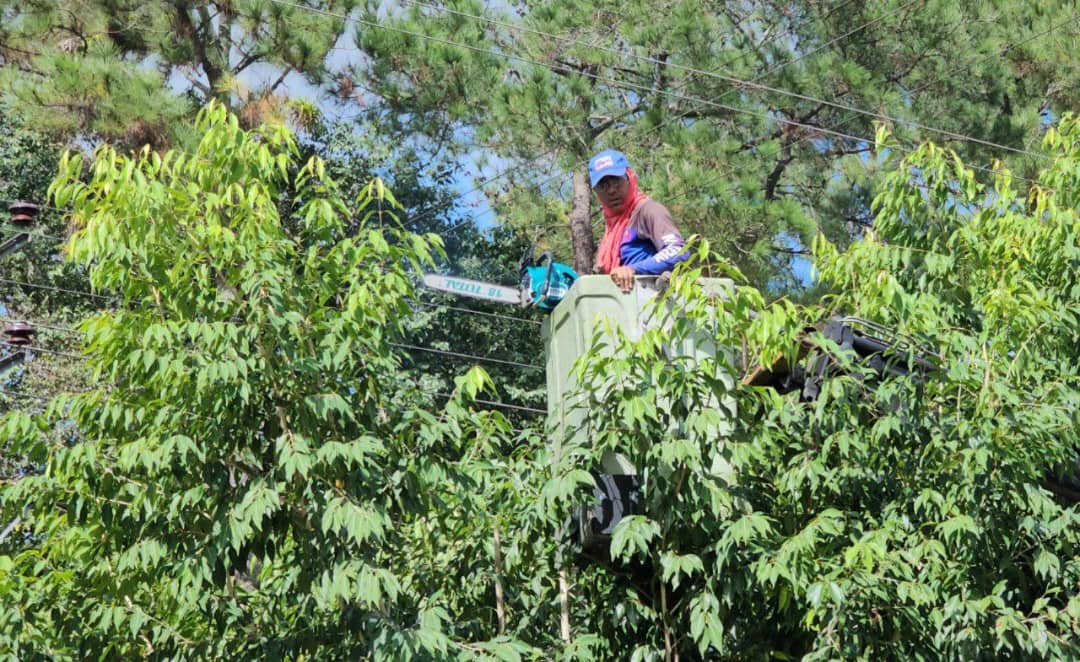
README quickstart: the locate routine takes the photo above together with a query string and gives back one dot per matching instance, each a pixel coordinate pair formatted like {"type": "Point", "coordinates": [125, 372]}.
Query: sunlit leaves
{"type": "Point", "coordinates": [632, 536]}
{"type": "Point", "coordinates": [247, 470]}
{"type": "Point", "coordinates": [893, 516]}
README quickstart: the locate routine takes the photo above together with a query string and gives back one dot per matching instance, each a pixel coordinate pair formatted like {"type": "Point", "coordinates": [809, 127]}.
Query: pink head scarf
{"type": "Point", "coordinates": [615, 224]}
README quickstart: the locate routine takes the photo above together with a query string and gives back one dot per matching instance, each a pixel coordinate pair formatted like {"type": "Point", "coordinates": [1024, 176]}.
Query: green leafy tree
{"type": "Point", "coordinates": [249, 477]}
{"type": "Point", "coordinates": [743, 119]}
{"type": "Point", "coordinates": [893, 517]}
{"type": "Point", "coordinates": [135, 72]}
{"type": "Point", "coordinates": [253, 475]}
{"type": "Point", "coordinates": [444, 322]}
{"type": "Point", "coordinates": [694, 94]}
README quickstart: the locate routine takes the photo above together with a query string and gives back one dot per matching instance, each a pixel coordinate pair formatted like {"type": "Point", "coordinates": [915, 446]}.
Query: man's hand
{"type": "Point", "coordinates": [623, 277]}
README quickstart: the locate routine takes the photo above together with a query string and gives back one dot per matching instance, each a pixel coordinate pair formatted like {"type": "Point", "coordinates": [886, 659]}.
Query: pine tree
{"type": "Point", "coordinates": [134, 73]}
{"type": "Point", "coordinates": [692, 92]}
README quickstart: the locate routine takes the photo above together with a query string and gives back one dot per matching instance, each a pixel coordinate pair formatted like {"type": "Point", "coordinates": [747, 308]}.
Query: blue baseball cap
{"type": "Point", "coordinates": [608, 163]}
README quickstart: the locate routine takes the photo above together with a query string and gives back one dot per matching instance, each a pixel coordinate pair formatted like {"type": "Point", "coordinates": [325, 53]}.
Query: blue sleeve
{"type": "Point", "coordinates": [663, 261]}
{"type": "Point", "coordinates": [656, 225]}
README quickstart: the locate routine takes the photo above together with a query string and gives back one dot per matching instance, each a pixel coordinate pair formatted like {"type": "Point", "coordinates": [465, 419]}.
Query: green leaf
{"type": "Point", "coordinates": [632, 536]}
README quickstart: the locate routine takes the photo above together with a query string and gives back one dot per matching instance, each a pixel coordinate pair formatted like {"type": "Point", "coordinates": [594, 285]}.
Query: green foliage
{"type": "Point", "coordinates": [253, 475]}
{"type": "Point", "coordinates": [134, 73]}
{"type": "Point", "coordinates": [248, 480]}
{"type": "Point", "coordinates": [891, 518]}
{"type": "Point", "coordinates": [690, 93]}
{"type": "Point", "coordinates": [425, 190]}
{"type": "Point", "coordinates": [27, 164]}
{"type": "Point", "coordinates": [758, 172]}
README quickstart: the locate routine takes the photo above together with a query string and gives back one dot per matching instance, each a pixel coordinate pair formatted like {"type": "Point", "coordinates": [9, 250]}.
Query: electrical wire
{"type": "Point", "coordinates": [749, 84]}
{"type": "Point", "coordinates": [829, 43]}
{"type": "Point", "coordinates": [37, 204]}
{"type": "Point", "coordinates": [447, 396]}
{"type": "Point", "coordinates": [1006, 48]}
{"type": "Point", "coordinates": [39, 325]}
{"type": "Point", "coordinates": [716, 74]}
{"type": "Point", "coordinates": [692, 70]}
{"type": "Point", "coordinates": [33, 232]}
{"type": "Point", "coordinates": [505, 405]}
{"type": "Point", "coordinates": [548, 153]}
{"type": "Point", "coordinates": [52, 288]}
{"type": "Point", "coordinates": [553, 151]}
{"type": "Point", "coordinates": [1001, 52]}
{"type": "Point", "coordinates": [674, 118]}
{"type": "Point", "coordinates": [619, 84]}
{"type": "Point", "coordinates": [469, 357]}
{"type": "Point", "coordinates": [29, 396]}
{"type": "Point", "coordinates": [783, 33]}
{"type": "Point", "coordinates": [778, 67]}
{"type": "Point", "coordinates": [487, 182]}
{"type": "Point", "coordinates": [45, 350]}
{"type": "Point", "coordinates": [470, 311]}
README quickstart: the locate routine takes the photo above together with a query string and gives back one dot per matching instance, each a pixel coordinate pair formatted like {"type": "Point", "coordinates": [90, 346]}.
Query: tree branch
{"type": "Point", "coordinates": [188, 28]}
{"type": "Point", "coordinates": [500, 600]}
{"type": "Point", "coordinates": [280, 79]}
{"type": "Point", "coordinates": [785, 127]}
{"type": "Point", "coordinates": [778, 170]}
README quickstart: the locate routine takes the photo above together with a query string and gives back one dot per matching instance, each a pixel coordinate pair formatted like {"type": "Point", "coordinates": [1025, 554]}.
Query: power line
{"type": "Point", "coordinates": [729, 170]}
{"type": "Point", "coordinates": [737, 81]}
{"type": "Point", "coordinates": [715, 74]}
{"type": "Point", "coordinates": [52, 288]}
{"type": "Point", "coordinates": [39, 325]}
{"type": "Point", "coordinates": [553, 151]}
{"type": "Point", "coordinates": [27, 396]}
{"type": "Point", "coordinates": [33, 232]}
{"type": "Point", "coordinates": [1007, 47]}
{"type": "Point", "coordinates": [504, 405]}
{"type": "Point", "coordinates": [510, 169]}
{"type": "Point", "coordinates": [1002, 51]}
{"type": "Point", "coordinates": [511, 318]}
{"type": "Point", "coordinates": [37, 204]}
{"type": "Point", "coordinates": [751, 84]}
{"type": "Point", "coordinates": [784, 33]}
{"type": "Point", "coordinates": [417, 348]}
{"type": "Point", "coordinates": [34, 348]}
{"type": "Point", "coordinates": [469, 357]}
{"type": "Point", "coordinates": [835, 40]}
{"type": "Point", "coordinates": [619, 84]}
{"type": "Point", "coordinates": [597, 221]}
{"type": "Point", "coordinates": [786, 63]}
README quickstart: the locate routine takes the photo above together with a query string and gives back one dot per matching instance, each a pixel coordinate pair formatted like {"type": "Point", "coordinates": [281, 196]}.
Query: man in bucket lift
{"type": "Point", "coordinates": [640, 236]}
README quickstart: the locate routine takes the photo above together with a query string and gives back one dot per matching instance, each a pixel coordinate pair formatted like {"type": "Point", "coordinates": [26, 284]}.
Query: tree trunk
{"type": "Point", "coordinates": [564, 605]}
{"type": "Point", "coordinates": [581, 235]}
{"type": "Point", "coordinates": [500, 599]}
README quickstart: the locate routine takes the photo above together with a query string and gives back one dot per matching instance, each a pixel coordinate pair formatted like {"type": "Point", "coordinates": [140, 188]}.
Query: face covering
{"type": "Point", "coordinates": [615, 224]}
